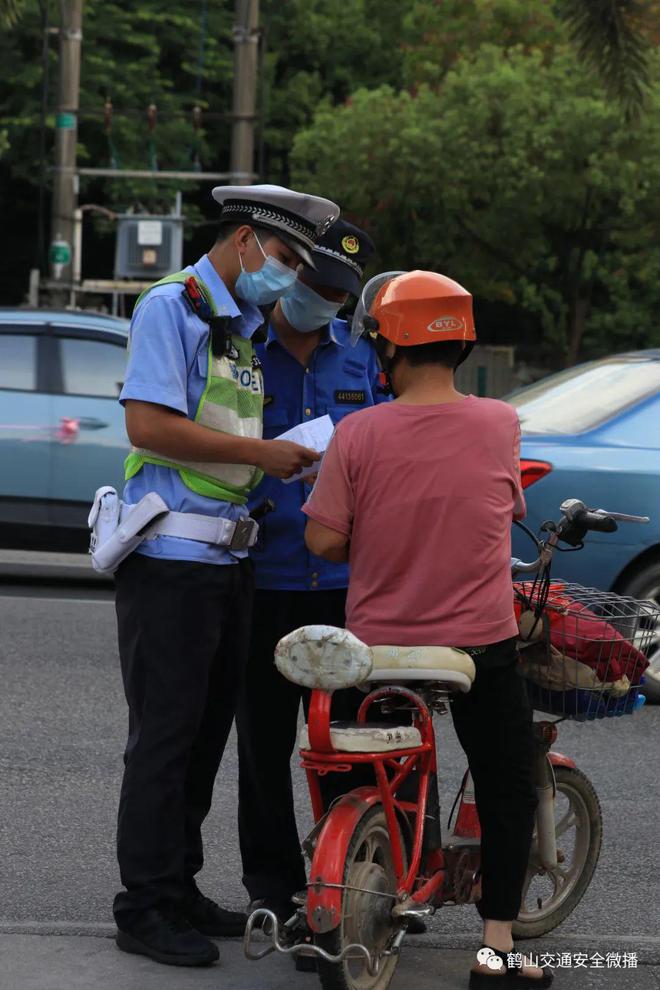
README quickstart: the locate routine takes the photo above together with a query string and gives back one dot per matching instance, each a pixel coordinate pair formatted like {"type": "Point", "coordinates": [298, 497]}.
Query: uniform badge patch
{"type": "Point", "coordinates": [350, 396]}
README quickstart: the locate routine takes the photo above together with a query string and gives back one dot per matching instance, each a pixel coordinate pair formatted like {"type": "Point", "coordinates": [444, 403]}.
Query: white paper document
{"type": "Point", "coordinates": [316, 434]}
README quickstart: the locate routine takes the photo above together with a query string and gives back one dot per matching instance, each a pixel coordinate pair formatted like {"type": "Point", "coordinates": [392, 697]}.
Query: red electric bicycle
{"type": "Point", "coordinates": [378, 857]}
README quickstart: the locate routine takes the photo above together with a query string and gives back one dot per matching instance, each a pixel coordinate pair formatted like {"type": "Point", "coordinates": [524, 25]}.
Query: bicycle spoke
{"type": "Point", "coordinates": [559, 878]}
{"type": "Point", "coordinates": [528, 880]}
{"type": "Point", "coordinates": [370, 848]}
{"type": "Point", "coordinates": [568, 821]}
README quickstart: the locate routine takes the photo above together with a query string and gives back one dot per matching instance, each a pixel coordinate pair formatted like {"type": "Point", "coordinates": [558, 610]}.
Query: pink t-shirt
{"type": "Point", "coordinates": [427, 495]}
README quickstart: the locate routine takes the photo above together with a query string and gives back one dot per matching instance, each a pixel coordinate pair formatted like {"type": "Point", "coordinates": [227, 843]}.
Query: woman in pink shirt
{"type": "Point", "coordinates": [419, 495]}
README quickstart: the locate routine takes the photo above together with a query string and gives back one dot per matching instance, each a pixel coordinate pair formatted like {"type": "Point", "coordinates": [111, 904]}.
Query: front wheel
{"type": "Point", "coordinates": [645, 585]}
{"type": "Point", "coordinates": [367, 904]}
{"type": "Point", "coordinates": [549, 896]}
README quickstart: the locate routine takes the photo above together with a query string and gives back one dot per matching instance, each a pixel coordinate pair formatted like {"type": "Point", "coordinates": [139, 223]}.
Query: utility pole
{"type": "Point", "coordinates": [246, 60]}
{"type": "Point", "coordinates": [66, 135]}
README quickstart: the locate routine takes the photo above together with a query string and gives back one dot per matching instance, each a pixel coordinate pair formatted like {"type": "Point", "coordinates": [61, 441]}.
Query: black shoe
{"type": "Point", "coordinates": [209, 918]}
{"type": "Point", "coordinates": [166, 936]}
{"type": "Point", "coordinates": [416, 926]}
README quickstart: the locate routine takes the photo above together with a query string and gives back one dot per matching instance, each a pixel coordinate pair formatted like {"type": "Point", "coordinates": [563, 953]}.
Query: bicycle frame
{"type": "Point", "coordinates": [326, 875]}
{"type": "Point", "coordinates": [441, 874]}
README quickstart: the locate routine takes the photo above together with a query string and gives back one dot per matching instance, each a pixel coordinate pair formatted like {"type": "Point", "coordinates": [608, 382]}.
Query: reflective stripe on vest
{"type": "Point", "coordinates": [232, 402]}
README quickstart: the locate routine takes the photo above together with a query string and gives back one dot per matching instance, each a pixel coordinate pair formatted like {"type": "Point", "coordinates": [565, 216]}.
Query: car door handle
{"type": "Point", "coordinates": [92, 423]}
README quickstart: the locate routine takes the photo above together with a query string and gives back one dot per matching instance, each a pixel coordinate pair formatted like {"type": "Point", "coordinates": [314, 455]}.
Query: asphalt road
{"type": "Point", "coordinates": [62, 725]}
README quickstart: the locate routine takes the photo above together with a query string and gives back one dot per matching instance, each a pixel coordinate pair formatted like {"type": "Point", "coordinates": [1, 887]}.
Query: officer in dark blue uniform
{"type": "Point", "coordinates": [309, 369]}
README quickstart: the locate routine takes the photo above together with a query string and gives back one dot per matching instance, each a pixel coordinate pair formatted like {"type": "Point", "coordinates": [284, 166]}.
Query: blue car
{"type": "Point", "coordinates": [593, 432]}
{"type": "Point", "coordinates": [62, 430]}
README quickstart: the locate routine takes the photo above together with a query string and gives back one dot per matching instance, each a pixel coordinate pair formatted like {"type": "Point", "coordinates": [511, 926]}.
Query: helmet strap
{"type": "Point", "coordinates": [386, 365]}
{"type": "Point", "coordinates": [465, 353]}
{"type": "Point", "coordinates": [385, 384]}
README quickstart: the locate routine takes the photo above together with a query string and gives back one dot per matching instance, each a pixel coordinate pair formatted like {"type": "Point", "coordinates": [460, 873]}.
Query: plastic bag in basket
{"type": "Point", "coordinates": [580, 635]}
{"type": "Point", "coordinates": [554, 671]}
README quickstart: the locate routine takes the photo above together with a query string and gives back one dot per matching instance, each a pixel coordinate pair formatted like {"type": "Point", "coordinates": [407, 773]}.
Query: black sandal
{"type": "Point", "coordinates": [513, 975]}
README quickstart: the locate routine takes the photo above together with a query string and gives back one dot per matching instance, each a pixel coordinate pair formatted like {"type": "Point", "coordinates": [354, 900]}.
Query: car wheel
{"type": "Point", "coordinates": [645, 584]}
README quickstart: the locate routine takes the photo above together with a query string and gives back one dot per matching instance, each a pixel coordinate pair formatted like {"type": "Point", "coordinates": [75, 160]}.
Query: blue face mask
{"type": "Point", "coordinates": [268, 283]}
{"type": "Point", "coordinates": [306, 310]}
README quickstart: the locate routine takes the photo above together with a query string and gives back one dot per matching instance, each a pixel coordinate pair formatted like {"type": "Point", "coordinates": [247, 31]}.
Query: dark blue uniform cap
{"type": "Point", "coordinates": [340, 256]}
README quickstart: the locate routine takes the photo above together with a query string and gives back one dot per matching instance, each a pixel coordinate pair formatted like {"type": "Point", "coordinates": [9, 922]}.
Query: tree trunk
{"type": "Point", "coordinates": [577, 320]}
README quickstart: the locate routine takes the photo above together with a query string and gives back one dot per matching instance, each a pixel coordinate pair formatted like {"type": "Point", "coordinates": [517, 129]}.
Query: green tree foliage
{"type": "Point", "coordinates": [518, 178]}
{"type": "Point", "coordinates": [132, 55]}
{"type": "Point", "coordinates": [438, 33]}
{"type": "Point", "coordinates": [9, 12]}
{"type": "Point", "coordinates": [477, 136]}
{"type": "Point", "coordinates": [320, 51]}
{"type": "Point", "coordinates": [614, 37]}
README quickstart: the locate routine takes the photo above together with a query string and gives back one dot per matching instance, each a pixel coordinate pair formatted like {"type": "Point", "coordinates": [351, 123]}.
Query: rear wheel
{"type": "Point", "coordinates": [549, 896]}
{"type": "Point", "coordinates": [366, 911]}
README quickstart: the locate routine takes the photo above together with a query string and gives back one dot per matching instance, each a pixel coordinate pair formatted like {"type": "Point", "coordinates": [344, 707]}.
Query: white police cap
{"type": "Point", "coordinates": [297, 218]}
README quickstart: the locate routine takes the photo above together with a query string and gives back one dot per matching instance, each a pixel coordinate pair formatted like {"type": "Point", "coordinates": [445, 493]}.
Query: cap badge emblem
{"type": "Point", "coordinates": [350, 244]}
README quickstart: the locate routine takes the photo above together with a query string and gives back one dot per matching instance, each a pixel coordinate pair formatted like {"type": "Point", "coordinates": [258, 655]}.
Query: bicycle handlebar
{"type": "Point", "coordinates": [576, 520]}
{"type": "Point", "coordinates": [576, 511]}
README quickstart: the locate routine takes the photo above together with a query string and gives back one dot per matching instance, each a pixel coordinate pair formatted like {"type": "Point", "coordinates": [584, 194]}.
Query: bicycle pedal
{"type": "Point", "coordinates": [410, 910]}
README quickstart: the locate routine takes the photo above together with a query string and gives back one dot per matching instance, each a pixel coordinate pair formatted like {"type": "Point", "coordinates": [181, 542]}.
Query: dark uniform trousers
{"type": "Point", "coordinates": [183, 635]}
{"type": "Point", "coordinates": [267, 724]}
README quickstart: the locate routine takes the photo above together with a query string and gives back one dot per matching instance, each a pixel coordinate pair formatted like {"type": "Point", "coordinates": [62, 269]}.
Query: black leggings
{"type": "Point", "coordinates": [493, 722]}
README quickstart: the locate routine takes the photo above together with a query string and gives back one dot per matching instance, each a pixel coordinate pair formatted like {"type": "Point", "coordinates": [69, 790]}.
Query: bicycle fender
{"type": "Point", "coordinates": [559, 760]}
{"type": "Point", "coordinates": [331, 850]}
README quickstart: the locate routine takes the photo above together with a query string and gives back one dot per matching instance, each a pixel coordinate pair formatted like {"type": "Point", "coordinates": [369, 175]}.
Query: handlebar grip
{"type": "Point", "coordinates": [579, 520]}
{"type": "Point", "coordinates": [597, 523]}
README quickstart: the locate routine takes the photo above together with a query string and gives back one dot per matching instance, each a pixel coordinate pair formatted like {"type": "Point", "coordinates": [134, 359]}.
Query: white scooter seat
{"type": "Point", "coordinates": [444, 664]}
{"type": "Point", "coordinates": [328, 659]}
{"type": "Point", "coordinates": [353, 737]}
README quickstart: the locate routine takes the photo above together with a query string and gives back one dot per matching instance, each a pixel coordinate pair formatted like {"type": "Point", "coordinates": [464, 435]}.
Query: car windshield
{"type": "Point", "coordinates": [580, 398]}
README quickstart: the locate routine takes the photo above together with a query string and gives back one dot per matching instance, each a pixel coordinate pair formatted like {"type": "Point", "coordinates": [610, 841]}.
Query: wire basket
{"type": "Point", "coordinates": [583, 651]}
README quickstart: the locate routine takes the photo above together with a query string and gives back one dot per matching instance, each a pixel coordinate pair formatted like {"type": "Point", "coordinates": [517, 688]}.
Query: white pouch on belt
{"type": "Point", "coordinates": [111, 540]}
{"type": "Point", "coordinates": [103, 517]}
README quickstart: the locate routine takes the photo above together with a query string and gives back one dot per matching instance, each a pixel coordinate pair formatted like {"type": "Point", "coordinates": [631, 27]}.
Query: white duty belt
{"type": "Point", "coordinates": [237, 535]}
{"type": "Point", "coordinates": [118, 529]}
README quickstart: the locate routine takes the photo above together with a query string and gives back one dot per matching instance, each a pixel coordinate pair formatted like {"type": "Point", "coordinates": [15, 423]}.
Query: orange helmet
{"type": "Point", "coordinates": [410, 308]}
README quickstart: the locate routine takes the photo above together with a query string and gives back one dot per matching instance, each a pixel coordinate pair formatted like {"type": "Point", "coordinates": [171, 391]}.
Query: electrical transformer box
{"type": "Point", "coordinates": [148, 246]}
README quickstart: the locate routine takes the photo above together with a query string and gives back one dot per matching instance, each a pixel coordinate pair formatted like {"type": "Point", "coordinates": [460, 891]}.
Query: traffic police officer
{"type": "Point", "coordinates": [193, 399]}
{"type": "Point", "coordinates": [310, 369]}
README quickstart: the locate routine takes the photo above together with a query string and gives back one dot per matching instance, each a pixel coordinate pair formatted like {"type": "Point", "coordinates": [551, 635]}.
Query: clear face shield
{"type": "Point", "coordinates": [359, 324]}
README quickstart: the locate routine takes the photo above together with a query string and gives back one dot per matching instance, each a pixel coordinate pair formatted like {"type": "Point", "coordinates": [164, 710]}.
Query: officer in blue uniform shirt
{"type": "Point", "coordinates": [310, 369]}
{"type": "Point", "coordinates": [193, 398]}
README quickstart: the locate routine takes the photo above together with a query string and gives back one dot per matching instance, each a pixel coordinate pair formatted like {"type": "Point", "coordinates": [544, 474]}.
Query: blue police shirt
{"type": "Point", "coordinates": [338, 380]}
{"type": "Point", "coordinates": [167, 364]}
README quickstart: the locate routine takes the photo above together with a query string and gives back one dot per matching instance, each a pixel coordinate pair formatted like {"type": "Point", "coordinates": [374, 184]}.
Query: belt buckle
{"type": "Point", "coordinates": [242, 534]}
